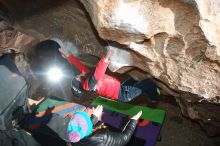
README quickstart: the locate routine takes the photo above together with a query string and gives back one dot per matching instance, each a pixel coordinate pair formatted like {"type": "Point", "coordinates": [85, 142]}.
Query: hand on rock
{"type": "Point", "coordinates": [64, 52]}
{"type": "Point", "coordinates": [109, 54]}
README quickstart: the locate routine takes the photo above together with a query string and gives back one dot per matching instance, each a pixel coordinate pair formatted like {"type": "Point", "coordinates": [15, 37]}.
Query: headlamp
{"type": "Point", "coordinates": [54, 74]}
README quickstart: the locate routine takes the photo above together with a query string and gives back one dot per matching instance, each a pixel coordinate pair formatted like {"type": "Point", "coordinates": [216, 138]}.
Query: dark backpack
{"type": "Point", "coordinates": [13, 89]}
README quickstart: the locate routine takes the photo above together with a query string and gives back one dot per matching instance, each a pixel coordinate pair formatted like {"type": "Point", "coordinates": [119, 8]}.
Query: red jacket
{"type": "Point", "coordinates": [105, 85]}
{"type": "Point", "coordinates": [74, 61]}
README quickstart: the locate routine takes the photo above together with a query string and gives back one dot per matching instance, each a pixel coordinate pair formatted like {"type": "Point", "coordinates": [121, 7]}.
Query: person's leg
{"type": "Point", "coordinates": [149, 88]}
{"type": "Point", "coordinates": [127, 93]}
{"type": "Point", "coordinates": [129, 82]}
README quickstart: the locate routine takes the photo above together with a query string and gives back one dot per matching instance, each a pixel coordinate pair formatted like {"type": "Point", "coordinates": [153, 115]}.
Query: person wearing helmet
{"type": "Point", "coordinates": [86, 128]}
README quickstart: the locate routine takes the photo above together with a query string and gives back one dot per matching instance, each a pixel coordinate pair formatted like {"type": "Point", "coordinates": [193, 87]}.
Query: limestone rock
{"type": "Point", "coordinates": [64, 20]}
{"type": "Point", "coordinates": [11, 39]}
{"type": "Point", "coordinates": [209, 22]}
{"type": "Point", "coordinates": [176, 41]}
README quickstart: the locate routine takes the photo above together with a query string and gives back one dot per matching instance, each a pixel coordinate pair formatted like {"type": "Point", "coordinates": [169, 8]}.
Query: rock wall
{"type": "Point", "coordinates": [45, 19]}
{"type": "Point", "coordinates": [12, 40]}
{"type": "Point", "coordinates": [176, 41]}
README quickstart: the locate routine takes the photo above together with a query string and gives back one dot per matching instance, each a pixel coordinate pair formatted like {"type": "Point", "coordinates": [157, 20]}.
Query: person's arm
{"type": "Point", "coordinates": [102, 65]}
{"type": "Point", "coordinates": [99, 72]}
{"type": "Point", "coordinates": [74, 61]}
{"type": "Point", "coordinates": [122, 138]}
{"type": "Point", "coordinates": [101, 68]}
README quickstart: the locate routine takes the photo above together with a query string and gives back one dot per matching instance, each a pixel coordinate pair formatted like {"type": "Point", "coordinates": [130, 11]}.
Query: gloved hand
{"type": "Point", "coordinates": [64, 52]}
{"type": "Point", "coordinates": [137, 116]}
{"type": "Point", "coordinates": [98, 111]}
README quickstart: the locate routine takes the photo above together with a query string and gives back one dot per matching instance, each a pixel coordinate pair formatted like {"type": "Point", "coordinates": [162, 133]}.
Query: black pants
{"type": "Point", "coordinates": [132, 88]}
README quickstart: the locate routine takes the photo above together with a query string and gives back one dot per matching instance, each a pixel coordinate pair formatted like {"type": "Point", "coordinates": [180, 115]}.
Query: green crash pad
{"type": "Point", "coordinates": [154, 115]}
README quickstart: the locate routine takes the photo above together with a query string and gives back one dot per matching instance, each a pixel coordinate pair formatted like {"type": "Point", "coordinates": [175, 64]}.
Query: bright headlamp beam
{"type": "Point", "coordinates": [54, 74]}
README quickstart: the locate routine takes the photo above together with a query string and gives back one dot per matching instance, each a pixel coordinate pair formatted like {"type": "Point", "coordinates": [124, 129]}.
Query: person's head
{"type": "Point", "coordinates": [79, 126]}
{"type": "Point", "coordinates": [44, 55]}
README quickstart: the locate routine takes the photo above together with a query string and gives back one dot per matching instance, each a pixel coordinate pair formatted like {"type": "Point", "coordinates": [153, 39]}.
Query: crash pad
{"type": "Point", "coordinates": [146, 132]}
{"type": "Point", "coordinates": [52, 105]}
{"type": "Point", "coordinates": [154, 115]}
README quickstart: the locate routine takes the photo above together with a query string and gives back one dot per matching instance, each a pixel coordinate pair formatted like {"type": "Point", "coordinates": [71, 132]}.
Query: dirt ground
{"type": "Point", "coordinates": [180, 131]}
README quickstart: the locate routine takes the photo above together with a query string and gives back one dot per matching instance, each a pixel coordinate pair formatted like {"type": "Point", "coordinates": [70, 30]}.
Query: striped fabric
{"type": "Point", "coordinates": [52, 105]}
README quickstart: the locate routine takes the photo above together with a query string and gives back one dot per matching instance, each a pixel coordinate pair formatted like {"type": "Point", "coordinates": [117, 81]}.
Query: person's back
{"type": "Point", "coordinates": [100, 137]}
{"type": "Point", "coordinates": [106, 137]}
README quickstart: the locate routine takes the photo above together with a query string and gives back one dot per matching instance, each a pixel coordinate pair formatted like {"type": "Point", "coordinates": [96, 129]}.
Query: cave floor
{"type": "Point", "coordinates": [180, 131]}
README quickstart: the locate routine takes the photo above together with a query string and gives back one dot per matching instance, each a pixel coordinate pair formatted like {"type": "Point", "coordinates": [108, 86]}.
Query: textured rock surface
{"type": "Point", "coordinates": [46, 19]}
{"type": "Point", "coordinates": [209, 22]}
{"type": "Point", "coordinates": [175, 41]}
{"type": "Point", "coordinates": [65, 20]}
{"type": "Point", "coordinates": [11, 39]}
{"type": "Point", "coordinates": [178, 40]}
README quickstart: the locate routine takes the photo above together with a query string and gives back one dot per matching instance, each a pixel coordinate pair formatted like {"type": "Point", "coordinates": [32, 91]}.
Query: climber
{"type": "Point", "coordinates": [105, 85]}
